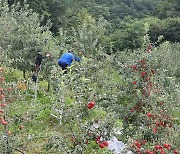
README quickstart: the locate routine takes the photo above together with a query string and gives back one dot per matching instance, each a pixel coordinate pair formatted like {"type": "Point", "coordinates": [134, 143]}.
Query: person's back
{"type": "Point", "coordinates": [66, 58]}
{"type": "Point", "coordinates": [38, 59]}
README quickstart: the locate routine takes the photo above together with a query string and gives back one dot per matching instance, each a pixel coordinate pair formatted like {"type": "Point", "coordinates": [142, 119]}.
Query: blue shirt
{"type": "Point", "coordinates": [68, 58]}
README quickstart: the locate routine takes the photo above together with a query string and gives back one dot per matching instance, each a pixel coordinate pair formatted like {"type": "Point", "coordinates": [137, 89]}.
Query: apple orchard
{"type": "Point", "coordinates": [83, 114]}
{"type": "Point", "coordinates": [110, 102]}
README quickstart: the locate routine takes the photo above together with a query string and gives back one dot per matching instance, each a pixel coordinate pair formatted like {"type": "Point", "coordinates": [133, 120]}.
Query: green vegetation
{"type": "Point", "coordinates": [126, 84]}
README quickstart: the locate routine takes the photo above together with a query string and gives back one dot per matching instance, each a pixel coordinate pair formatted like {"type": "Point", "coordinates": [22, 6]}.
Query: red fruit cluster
{"type": "Point", "coordinates": [134, 67]}
{"type": "Point", "coordinates": [2, 121]}
{"type": "Point", "coordinates": [145, 75]}
{"type": "Point", "coordinates": [149, 152]}
{"type": "Point", "coordinates": [103, 144]}
{"type": "Point", "coordinates": [3, 101]}
{"type": "Point", "coordinates": [160, 121]}
{"type": "Point", "coordinates": [165, 147]}
{"type": "Point", "coordinates": [3, 105]}
{"type": "Point", "coordinates": [137, 146]}
{"type": "Point", "coordinates": [97, 140]}
{"type": "Point", "coordinates": [154, 122]}
{"type": "Point", "coordinates": [2, 97]}
{"type": "Point", "coordinates": [1, 76]}
{"type": "Point", "coordinates": [91, 105]}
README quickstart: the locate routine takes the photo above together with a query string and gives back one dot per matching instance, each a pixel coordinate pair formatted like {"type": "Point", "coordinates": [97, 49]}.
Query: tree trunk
{"type": "Point", "coordinates": [48, 88]}
{"type": "Point", "coordinates": [24, 74]}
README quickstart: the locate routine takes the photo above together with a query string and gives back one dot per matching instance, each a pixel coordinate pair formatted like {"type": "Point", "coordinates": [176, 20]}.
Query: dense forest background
{"type": "Point", "coordinates": [123, 19]}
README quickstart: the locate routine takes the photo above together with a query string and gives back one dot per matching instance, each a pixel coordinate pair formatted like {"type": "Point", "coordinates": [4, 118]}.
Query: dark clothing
{"type": "Point", "coordinates": [38, 59]}
{"type": "Point", "coordinates": [34, 78]}
{"type": "Point", "coordinates": [63, 65]}
{"type": "Point", "coordinates": [36, 68]}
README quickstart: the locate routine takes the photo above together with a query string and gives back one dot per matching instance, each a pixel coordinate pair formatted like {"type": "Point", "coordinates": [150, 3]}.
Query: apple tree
{"type": "Point", "coordinates": [22, 35]}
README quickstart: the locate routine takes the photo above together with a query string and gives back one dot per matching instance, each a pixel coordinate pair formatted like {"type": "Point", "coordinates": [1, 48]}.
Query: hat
{"type": "Point", "coordinates": [39, 50]}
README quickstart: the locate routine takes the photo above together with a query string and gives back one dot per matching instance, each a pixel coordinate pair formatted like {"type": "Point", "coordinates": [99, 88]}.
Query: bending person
{"type": "Point", "coordinates": [66, 60]}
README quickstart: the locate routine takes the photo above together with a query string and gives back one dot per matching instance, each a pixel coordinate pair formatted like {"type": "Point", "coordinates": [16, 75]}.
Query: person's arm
{"type": "Point", "coordinates": [46, 56]}
{"type": "Point", "coordinates": [76, 58]}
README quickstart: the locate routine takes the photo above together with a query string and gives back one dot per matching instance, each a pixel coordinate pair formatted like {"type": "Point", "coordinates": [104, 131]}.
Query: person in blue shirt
{"type": "Point", "coordinates": [66, 60]}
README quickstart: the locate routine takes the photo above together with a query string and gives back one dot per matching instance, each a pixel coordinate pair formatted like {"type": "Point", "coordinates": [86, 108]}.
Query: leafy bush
{"type": "Point", "coordinates": [149, 124]}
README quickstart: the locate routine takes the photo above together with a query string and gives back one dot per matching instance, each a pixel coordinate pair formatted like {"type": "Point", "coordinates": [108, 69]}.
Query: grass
{"type": "Point", "coordinates": [35, 116]}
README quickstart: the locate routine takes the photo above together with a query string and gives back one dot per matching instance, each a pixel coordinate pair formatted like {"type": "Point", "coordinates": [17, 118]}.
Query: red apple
{"type": "Point", "coordinates": [9, 88]}
{"type": "Point", "coordinates": [10, 100]}
{"type": "Point", "coordinates": [1, 90]}
{"type": "Point", "coordinates": [147, 79]}
{"type": "Point", "coordinates": [149, 114]}
{"type": "Point", "coordinates": [167, 146]}
{"type": "Point", "coordinates": [3, 105]}
{"type": "Point", "coordinates": [143, 141]}
{"type": "Point", "coordinates": [176, 152]}
{"type": "Point", "coordinates": [2, 78]}
{"type": "Point", "coordinates": [157, 147]}
{"type": "Point", "coordinates": [101, 145]}
{"type": "Point", "coordinates": [162, 151]}
{"type": "Point", "coordinates": [143, 74]}
{"type": "Point", "coordinates": [1, 111]}
{"type": "Point", "coordinates": [155, 130]}
{"type": "Point", "coordinates": [153, 72]}
{"type": "Point", "coordinates": [148, 151]}
{"type": "Point", "coordinates": [133, 66]}
{"type": "Point", "coordinates": [4, 122]}
{"type": "Point", "coordinates": [105, 143]}
{"type": "Point", "coordinates": [1, 96]}
{"type": "Point", "coordinates": [134, 82]}
{"type": "Point", "coordinates": [157, 123]}
{"type": "Point", "coordinates": [90, 105]}
{"type": "Point", "coordinates": [8, 132]}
